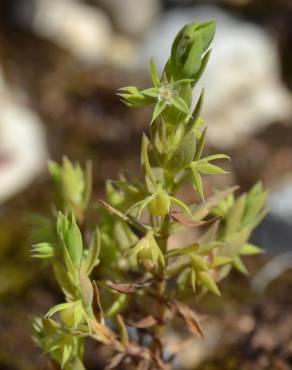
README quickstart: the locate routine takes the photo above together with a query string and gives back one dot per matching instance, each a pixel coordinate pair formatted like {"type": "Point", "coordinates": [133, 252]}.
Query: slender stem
{"type": "Point", "coordinates": [161, 283]}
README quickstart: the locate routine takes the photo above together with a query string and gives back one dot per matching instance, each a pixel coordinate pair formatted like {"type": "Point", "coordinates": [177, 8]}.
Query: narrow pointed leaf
{"type": "Point", "coordinates": [208, 282]}
{"type": "Point", "coordinates": [159, 108]}
{"type": "Point", "coordinates": [91, 260]}
{"type": "Point", "coordinates": [250, 249]}
{"type": "Point", "coordinates": [210, 169]}
{"type": "Point", "coordinates": [198, 184]}
{"type": "Point", "coordinates": [154, 73]}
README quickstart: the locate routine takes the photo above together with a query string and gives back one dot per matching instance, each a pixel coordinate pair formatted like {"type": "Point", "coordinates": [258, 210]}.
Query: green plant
{"type": "Point", "coordinates": [139, 281]}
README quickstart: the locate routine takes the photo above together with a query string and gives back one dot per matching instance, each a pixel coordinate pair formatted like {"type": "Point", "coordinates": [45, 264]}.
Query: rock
{"type": "Point", "coordinates": [244, 92]}
{"type": "Point", "coordinates": [22, 144]}
{"type": "Point", "coordinates": [280, 200]}
{"type": "Point", "coordinates": [132, 17]}
{"type": "Point", "coordinates": [84, 31]}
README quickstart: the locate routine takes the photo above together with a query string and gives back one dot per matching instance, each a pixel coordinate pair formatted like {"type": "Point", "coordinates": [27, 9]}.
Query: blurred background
{"type": "Point", "coordinates": [61, 63]}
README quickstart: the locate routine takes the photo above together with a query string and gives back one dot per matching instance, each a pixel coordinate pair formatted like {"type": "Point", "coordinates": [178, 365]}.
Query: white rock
{"type": "Point", "coordinates": [22, 142]}
{"type": "Point", "coordinates": [244, 91]}
{"type": "Point", "coordinates": [133, 17]}
{"type": "Point", "coordinates": [83, 30]}
{"type": "Point", "coordinates": [280, 200]}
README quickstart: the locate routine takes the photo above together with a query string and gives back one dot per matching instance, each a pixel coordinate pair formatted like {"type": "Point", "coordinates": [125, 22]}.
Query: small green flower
{"type": "Point", "coordinates": [71, 313]}
{"type": "Point", "coordinates": [158, 203]}
{"type": "Point", "coordinates": [164, 94]}
{"type": "Point", "coordinates": [147, 252]}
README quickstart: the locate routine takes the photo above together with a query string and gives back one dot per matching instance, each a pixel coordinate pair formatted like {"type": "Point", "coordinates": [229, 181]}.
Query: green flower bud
{"type": "Point", "coordinates": [73, 182]}
{"type": "Point", "coordinates": [188, 48]}
{"type": "Point", "coordinates": [73, 185]}
{"type": "Point", "coordinates": [43, 250]}
{"type": "Point", "coordinates": [147, 252]}
{"type": "Point", "coordinates": [73, 315]}
{"type": "Point", "coordinates": [160, 204]}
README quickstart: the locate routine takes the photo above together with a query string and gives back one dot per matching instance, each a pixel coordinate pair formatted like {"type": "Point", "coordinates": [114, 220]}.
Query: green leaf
{"type": "Point", "coordinates": [152, 92]}
{"type": "Point", "coordinates": [201, 145]}
{"type": "Point", "coordinates": [208, 282]}
{"type": "Point", "coordinates": [145, 159]}
{"type": "Point", "coordinates": [250, 250]}
{"type": "Point", "coordinates": [154, 73]}
{"type": "Point", "coordinates": [63, 279]}
{"type": "Point", "coordinates": [86, 289]}
{"type": "Point", "coordinates": [193, 276]}
{"type": "Point", "coordinates": [71, 269]}
{"type": "Point", "coordinates": [234, 243]}
{"type": "Point", "coordinates": [180, 83]}
{"type": "Point", "coordinates": [194, 56]}
{"type": "Point", "coordinates": [54, 170]}
{"type": "Point", "coordinates": [181, 204]}
{"type": "Point", "coordinates": [220, 261]}
{"type": "Point", "coordinates": [234, 216]}
{"type": "Point", "coordinates": [181, 105]}
{"type": "Point", "coordinates": [88, 184]}
{"type": "Point", "coordinates": [184, 153]}
{"type": "Point", "coordinates": [196, 112]}
{"type": "Point", "coordinates": [202, 210]}
{"type": "Point", "coordinates": [203, 66]}
{"type": "Point", "coordinates": [204, 249]}
{"type": "Point", "coordinates": [66, 352]}
{"type": "Point", "coordinates": [177, 252]}
{"type": "Point", "coordinates": [133, 97]}
{"type": "Point", "coordinates": [138, 226]}
{"type": "Point", "coordinates": [207, 32]}
{"type": "Point", "coordinates": [129, 89]}
{"type": "Point", "coordinates": [62, 226]}
{"type": "Point", "coordinates": [74, 243]}
{"type": "Point", "coordinates": [239, 265]}
{"type": "Point", "coordinates": [141, 205]}
{"type": "Point", "coordinates": [92, 260]}
{"type": "Point", "coordinates": [175, 57]}
{"type": "Point", "coordinates": [198, 184]}
{"type": "Point", "coordinates": [158, 109]}
{"type": "Point", "coordinates": [214, 157]}
{"type": "Point", "coordinates": [59, 307]}
{"type": "Point", "coordinates": [199, 263]}
{"type": "Point", "coordinates": [209, 169]}
{"type": "Point", "coordinates": [73, 183]}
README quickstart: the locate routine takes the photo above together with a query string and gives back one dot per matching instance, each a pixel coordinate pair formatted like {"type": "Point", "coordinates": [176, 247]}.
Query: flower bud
{"type": "Point", "coordinates": [147, 252]}
{"type": "Point", "coordinates": [188, 48]}
{"type": "Point", "coordinates": [43, 250]}
{"type": "Point", "coordinates": [73, 315]}
{"type": "Point", "coordinates": [160, 204]}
